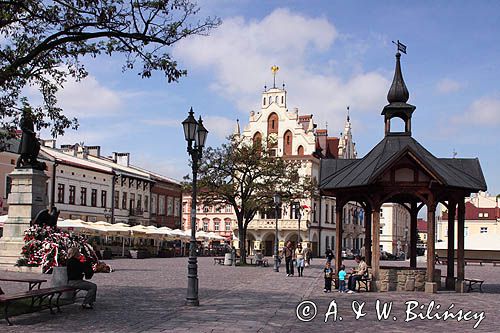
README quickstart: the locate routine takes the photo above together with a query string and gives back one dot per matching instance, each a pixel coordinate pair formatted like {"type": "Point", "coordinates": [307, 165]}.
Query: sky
{"type": "Point", "coordinates": [331, 54]}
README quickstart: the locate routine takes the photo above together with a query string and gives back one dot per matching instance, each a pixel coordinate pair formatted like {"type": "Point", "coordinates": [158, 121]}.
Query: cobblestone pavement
{"type": "Point", "coordinates": [148, 296]}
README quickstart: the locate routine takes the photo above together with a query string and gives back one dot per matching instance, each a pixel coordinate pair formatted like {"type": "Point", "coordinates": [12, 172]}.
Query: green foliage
{"type": "Point", "coordinates": [42, 44]}
{"type": "Point", "coordinates": [246, 176]}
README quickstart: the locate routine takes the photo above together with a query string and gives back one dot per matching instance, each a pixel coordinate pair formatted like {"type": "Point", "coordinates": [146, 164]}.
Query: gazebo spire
{"type": "Point", "coordinates": [398, 96]}
{"type": "Point", "coordinates": [398, 92]}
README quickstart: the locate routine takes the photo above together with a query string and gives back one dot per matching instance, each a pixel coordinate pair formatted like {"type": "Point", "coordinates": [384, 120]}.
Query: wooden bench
{"type": "Point", "coordinates": [37, 296]}
{"type": "Point", "coordinates": [472, 283]}
{"type": "Point", "coordinates": [365, 283]}
{"type": "Point", "coordinates": [219, 260]}
{"type": "Point", "coordinates": [31, 282]}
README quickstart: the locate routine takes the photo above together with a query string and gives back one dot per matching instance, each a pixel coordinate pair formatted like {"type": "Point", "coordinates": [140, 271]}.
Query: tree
{"type": "Point", "coordinates": [246, 176]}
{"type": "Point", "coordinates": [42, 43]}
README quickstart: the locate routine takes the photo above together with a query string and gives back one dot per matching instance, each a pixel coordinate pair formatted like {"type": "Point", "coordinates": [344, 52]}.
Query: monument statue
{"type": "Point", "coordinates": [30, 146]}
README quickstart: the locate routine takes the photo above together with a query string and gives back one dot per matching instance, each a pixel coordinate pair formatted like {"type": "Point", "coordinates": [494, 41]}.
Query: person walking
{"type": "Point", "coordinates": [300, 258]}
{"type": "Point", "coordinates": [288, 254]}
{"type": "Point", "coordinates": [77, 268]}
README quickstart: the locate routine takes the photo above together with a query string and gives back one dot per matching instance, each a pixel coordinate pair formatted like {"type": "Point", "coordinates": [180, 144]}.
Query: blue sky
{"type": "Point", "coordinates": [331, 54]}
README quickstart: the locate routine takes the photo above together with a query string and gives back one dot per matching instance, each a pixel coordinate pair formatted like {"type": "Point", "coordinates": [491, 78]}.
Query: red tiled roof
{"type": "Point", "coordinates": [472, 213]}
{"type": "Point", "coordinates": [332, 149]}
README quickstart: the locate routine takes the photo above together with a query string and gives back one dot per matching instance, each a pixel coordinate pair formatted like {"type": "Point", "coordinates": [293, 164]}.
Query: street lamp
{"type": "Point", "coordinates": [194, 131]}
{"type": "Point", "coordinates": [277, 202]}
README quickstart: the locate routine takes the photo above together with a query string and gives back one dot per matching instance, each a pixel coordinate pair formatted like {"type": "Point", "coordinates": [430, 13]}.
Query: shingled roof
{"type": "Point", "coordinates": [456, 172]}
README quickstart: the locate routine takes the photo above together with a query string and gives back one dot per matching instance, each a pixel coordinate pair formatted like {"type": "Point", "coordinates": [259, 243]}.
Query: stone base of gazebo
{"type": "Point", "coordinates": [404, 279]}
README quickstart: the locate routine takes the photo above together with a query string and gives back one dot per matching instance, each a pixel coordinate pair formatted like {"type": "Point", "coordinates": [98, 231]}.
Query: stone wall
{"type": "Point", "coordinates": [404, 279]}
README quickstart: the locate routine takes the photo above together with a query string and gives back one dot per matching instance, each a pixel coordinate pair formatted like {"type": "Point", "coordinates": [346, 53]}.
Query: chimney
{"type": "Point", "coordinates": [121, 158]}
{"type": "Point", "coordinates": [94, 150]}
{"type": "Point", "coordinates": [51, 143]}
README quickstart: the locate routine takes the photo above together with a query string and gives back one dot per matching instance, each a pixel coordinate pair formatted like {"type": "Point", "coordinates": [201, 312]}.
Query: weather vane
{"type": "Point", "coordinates": [274, 69]}
{"type": "Point", "coordinates": [401, 47]}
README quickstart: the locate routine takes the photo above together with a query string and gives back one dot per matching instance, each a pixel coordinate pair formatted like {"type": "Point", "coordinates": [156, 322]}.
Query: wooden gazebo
{"type": "Point", "coordinates": [400, 170]}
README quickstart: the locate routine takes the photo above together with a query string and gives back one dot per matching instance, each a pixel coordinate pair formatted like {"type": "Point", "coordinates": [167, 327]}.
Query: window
{"type": "Point", "coordinates": [216, 225]}
{"type": "Point", "coordinates": [270, 100]}
{"type": "Point", "coordinates": [161, 205]}
{"type": "Point", "coordinates": [381, 213]}
{"type": "Point", "coordinates": [154, 200]}
{"type": "Point", "coordinates": [83, 196]}
{"type": "Point", "coordinates": [8, 186]}
{"type": "Point", "coordinates": [333, 242]}
{"type": "Point", "coordinates": [218, 209]}
{"type": "Point", "coordinates": [124, 200]}
{"type": "Point", "coordinates": [327, 240]}
{"type": "Point", "coordinates": [228, 225]}
{"type": "Point", "coordinates": [117, 199]}
{"type": "Point", "coordinates": [264, 101]}
{"type": "Point", "coordinates": [228, 209]}
{"type": "Point", "coordinates": [326, 215]}
{"type": "Point", "coordinates": [139, 202]}
{"type": "Point", "coordinates": [177, 207]}
{"type": "Point", "coordinates": [333, 213]}
{"type": "Point", "coordinates": [466, 231]}
{"type": "Point", "coordinates": [132, 201]}
{"type": "Point", "coordinates": [486, 214]}
{"type": "Point", "coordinates": [484, 230]}
{"type": "Point", "coordinates": [205, 225]}
{"type": "Point", "coordinates": [170, 206]}
{"type": "Point", "coordinates": [146, 203]}
{"type": "Point", "coordinates": [276, 99]}
{"type": "Point", "coordinates": [60, 193]}
{"type": "Point", "coordinates": [282, 99]}
{"type": "Point", "coordinates": [314, 210]}
{"type": "Point", "coordinates": [381, 229]}
{"type": "Point", "coordinates": [480, 214]}
{"type": "Point", "coordinates": [93, 198]}
{"type": "Point", "coordinates": [206, 209]}
{"type": "Point", "coordinates": [104, 198]}
{"type": "Point", "coordinates": [72, 194]}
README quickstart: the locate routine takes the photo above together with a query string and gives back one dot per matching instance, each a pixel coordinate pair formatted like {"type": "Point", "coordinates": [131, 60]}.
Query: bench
{"type": "Point", "coordinates": [37, 295]}
{"type": "Point", "coordinates": [472, 283]}
{"type": "Point", "coordinates": [219, 260]}
{"type": "Point", "coordinates": [31, 282]}
{"type": "Point", "coordinates": [365, 283]}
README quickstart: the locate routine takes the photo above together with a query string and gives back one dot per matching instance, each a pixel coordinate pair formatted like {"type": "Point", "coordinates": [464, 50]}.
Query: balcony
{"type": "Point", "coordinates": [286, 224]}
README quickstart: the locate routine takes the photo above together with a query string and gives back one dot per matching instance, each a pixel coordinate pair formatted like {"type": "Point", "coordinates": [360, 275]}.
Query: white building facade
{"type": "Point", "coordinates": [394, 228]}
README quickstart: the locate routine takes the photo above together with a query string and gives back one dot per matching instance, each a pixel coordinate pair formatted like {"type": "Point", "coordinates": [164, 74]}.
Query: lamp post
{"type": "Point", "coordinates": [277, 202]}
{"type": "Point", "coordinates": [194, 132]}
{"type": "Point", "coordinates": [299, 215]}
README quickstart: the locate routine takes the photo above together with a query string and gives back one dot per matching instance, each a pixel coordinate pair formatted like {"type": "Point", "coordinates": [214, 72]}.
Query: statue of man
{"type": "Point", "coordinates": [30, 146]}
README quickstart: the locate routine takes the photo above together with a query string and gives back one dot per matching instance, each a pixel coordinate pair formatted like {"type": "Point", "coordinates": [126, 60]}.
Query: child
{"type": "Point", "coordinates": [328, 278]}
{"type": "Point", "coordinates": [342, 275]}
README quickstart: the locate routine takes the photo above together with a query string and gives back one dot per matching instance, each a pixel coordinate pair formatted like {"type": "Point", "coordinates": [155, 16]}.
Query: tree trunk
{"type": "Point", "coordinates": [242, 235]}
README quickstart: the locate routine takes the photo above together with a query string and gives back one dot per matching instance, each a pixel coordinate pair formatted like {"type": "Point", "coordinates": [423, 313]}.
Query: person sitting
{"type": "Point", "coordinates": [356, 274]}
{"type": "Point", "coordinates": [77, 268]}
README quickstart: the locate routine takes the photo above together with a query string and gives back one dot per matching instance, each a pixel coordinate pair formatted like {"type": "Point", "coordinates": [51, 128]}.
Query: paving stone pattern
{"type": "Point", "coordinates": [148, 296]}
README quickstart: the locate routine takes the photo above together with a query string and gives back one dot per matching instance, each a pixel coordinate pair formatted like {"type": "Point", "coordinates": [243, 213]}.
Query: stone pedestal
{"type": "Point", "coordinates": [431, 287]}
{"type": "Point", "coordinates": [27, 198]}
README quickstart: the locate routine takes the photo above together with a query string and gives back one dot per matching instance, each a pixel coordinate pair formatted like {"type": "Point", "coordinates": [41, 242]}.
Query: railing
{"type": "Point", "coordinates": [282, 224]}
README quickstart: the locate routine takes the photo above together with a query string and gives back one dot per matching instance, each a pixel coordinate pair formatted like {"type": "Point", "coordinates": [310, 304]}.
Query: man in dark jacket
{"type": "Point", "coordinates": [288, 254]}
{"type": "Point", "coordinates": [77, 269]}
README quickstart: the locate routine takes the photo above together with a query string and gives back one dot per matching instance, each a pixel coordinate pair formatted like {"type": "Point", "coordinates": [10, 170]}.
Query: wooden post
{"type": "Point", "coordinates": [413, 234]}
{"type": "Point", "coordinates": [450, 272]}
{"type": "Point", "coordinates": [430, 285]}
{"type": "Point", "coordinates": [375, 241]}
{"type": "Point", "coordinates": [338, 235]}
{"type": "Point", "coordinates": [368, 236]}
{"type": "Point", "coordinates": [460, 245]}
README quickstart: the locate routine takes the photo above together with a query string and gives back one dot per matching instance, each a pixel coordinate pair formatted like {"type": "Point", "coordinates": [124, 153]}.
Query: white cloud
{"type": "Point", "coordinates": [221, 127]}
{"type": "Point", "coordinates": [484, 111]}
{"type": "Point", "coordinates": [240, 53]}
{"type": "Point", "coordinates": [88, 98]}
{"type": "Point", "coordinates": [446, 86]}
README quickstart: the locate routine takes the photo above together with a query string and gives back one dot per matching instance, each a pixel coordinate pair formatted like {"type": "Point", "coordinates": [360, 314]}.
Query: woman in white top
{"type": "Point", "coordinates": [300, 257]}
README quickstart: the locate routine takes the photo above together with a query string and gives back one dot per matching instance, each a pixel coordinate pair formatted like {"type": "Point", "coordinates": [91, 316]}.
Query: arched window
{"type": "Point", "coordinates": [287, 143]}
{"type": "Point", "coordinates": [270, 100]}
{"type": "Point", "coordinates": [272, 123]}
{"type": "Point", "coordinates": [264, 101]}
{"type": "Point", "coordinates": [282, 99]}
{"type": "Point", "coordinates": [257, 138]}
{"type": "Point", "coordinates": [300, 151]}
{"type": "Point", "coordinates": [276, 99]}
